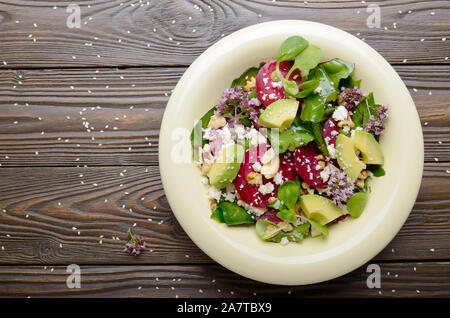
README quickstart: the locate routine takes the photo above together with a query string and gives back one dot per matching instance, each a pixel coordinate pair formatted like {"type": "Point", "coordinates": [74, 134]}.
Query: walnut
{"type": "Point", "coordinates": [217, 121]}
{"type": "Point", "coordinates": [272, 200]}
{"type": "Point", "coordinates": [250, 84]}
{"type": "Point", "coordinates": [254, 178]}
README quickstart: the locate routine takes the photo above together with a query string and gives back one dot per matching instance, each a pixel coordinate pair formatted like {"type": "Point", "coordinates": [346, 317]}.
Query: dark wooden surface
{"type": "Point", "coordinates": [80, 112]}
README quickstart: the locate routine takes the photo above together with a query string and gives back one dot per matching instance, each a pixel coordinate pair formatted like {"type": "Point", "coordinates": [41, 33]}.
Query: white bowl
{"type": "Point", "coordinates": [351, 243]}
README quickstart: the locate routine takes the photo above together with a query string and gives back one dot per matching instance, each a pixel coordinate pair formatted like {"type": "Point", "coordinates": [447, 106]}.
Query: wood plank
{"type": "Point", "coordinates": [410, 279]}
{"type": "Point", "coordinates": [37, 218]}
{"type": "Point", "coordinates": [143, 33]}
{"type": "Point", "coordinates": [52, 107]}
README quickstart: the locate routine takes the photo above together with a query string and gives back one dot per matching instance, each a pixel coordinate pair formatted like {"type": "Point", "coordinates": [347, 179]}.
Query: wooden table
{"type": "Point", "coordinates": [80, 111]}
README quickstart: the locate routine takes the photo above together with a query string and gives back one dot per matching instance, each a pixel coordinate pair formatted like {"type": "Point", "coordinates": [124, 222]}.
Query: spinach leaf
{"type": "Point", "coordinates": [307, 88]}
{"type": "Point", "coordinates": [377, 170]}
{"type": "Point", "coordinates": [291, 47]}
{"type": "Point", "coordinates": [317, 131]}
{"type": "Point", "coordinates": [197, 140]}
{"type": "Point", "coordinates": [313, 109]}
{"type": "Point", "coordinates": [306, 60]}
{"type": "Point", "coordinates": [217, 215]}
{"type": "Point", "coordinates": [291, 87]}
{"type": "Point", "coordinates": [290, 139]}
{"type": "Point", "coordinates": [287, 215]}
{"type": "Point", "coordinates": [350, 82]}
{"type": "Point", "coordinates": [246, 76]}
{"type": "Point", "coordinates": [338, 69]}
{"type": "Point", "coordinates": [233, 214]}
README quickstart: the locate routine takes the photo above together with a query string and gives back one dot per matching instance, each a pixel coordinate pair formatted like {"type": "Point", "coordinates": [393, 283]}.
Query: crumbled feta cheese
{"type": "Point", "coordinates": [255, 137]}
{"type": "Point", "coordinates": [278, 179]}
{"type": "Point", "coordinates": [284, 240]}
{"type": "Point", "coordinates": [325, 173]}
{"type": "Point", "coordinates": [239, 131]}
{"type": "Point", "coordinates": [277, 84]}
{"type": "Point", "coordinates": [318, 90]}
{"type": "Point", "coordinates": [214, 193]}
{"type": "Point", "coordinates": [272, 96]}
{"type": "Point", "coordinates": [266, 188]}
{"type": "Point", "coordinates": [340, 113]}
{"type": "Point", "coordinates": [265, 80]}
{"type": "Point", "coordinates": [346, 129]}
{"type": "Point", "coordinates": [331, 151]}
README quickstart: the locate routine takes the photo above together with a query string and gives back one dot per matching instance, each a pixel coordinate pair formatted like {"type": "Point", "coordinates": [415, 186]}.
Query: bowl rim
{"type": "Point", "coordinates": [344, 260]}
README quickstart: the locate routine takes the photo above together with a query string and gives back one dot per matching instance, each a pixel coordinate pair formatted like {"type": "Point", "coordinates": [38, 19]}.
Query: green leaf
{"type": "Point", "coordinates": [129, 236]}
{"type": "Point", "coordinates": [217, 215]}
{"type": "Point", "coordinates": [338, 69]}
{"type": "Point", "coordinates": [307, 88]}
{"type": "Point", "coordinates": [296, 235]}
{"type": "Point", "coordinates": [233, 214]}
{"type": "Point", "coordinates": [377, 170]}
{"type": "Point", "coordinates": [288, 193]}
{"type": "Point", "coordinates": [291, 47]}
{"type": "Point", "coordinates": [357, 203]}
{"type": "Point", "coordinates": [287, 215]}
{"type": "Point", "coordinates": [246, 76]}
{"type": "Point", "coordinates": [290, 139]}
{"type": "Point", "coordinates": [266, 229]}
{"type": "Point", "coordinates": [316, 225]}
{"type": "Point", "coordinates": [314, 109]}
{"type": "Point", "coordinates": [291, 87]}
{"type": "Point", "coordinates": [306, 60]}
{"type": "Point", "coordinates": [317, 131]}
{"type": "Point", "coordinates": [350, 82]}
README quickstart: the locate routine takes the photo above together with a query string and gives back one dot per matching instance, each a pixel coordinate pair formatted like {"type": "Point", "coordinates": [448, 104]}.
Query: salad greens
{"type": "Point", "coordinates": [310, 138]}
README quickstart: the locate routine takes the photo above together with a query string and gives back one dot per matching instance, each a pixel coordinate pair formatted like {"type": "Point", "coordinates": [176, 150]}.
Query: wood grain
{"type": "Point", "coordinates": [37, 218]}
{"type": "Point", "coordinates": [410, 279]}
{"type": "Point", "coordinates": [160, 32]}
{"type": "Point", "coordinates": [67, 117]}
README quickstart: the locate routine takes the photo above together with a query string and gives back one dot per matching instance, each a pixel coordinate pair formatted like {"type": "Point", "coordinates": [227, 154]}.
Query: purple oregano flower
{"type": "Point", "coordinates": [135, 243]}
{"type": "Point", "coordinates": [351, 97]}
{"type": "Point", "coordinates": [375, 124]}
{"type": "Point", "coordinates": [340, 186]}
{"type": "Point", "coordinates": [235, 105]}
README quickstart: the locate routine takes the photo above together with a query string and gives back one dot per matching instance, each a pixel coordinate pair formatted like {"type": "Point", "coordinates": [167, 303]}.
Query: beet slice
{"type": "Point", "coordinates": [328, 131]}
{"type": "Point", "coordinates": [306, 163]}
{"type": "Point", "coordinates": [265, 90]}
{"type": "Point", "coordinates": [250, 193]}
{"type": "Point", "coordinates": [270, 215]}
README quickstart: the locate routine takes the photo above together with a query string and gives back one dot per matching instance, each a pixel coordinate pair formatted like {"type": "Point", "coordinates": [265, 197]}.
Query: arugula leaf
{"type": "Point", "coordinates": [338, 69]}
{"type": "Point", "coordinates": [197, 134]}
{"type": "Point", "coordinates": [233, 214]}
{"type": "Point", "coordinates": [317, 131]}
{"type": "Point", "coordinates": [246, 76]}
{"type": "Point", "coordinates": [291, 47]}
{"type": "Point", "coordinates": [316, 225]}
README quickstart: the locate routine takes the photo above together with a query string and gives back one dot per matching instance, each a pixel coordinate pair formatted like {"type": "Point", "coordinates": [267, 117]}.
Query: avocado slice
{"type": "Point", "coordinates": [279, 114]}
{"type": "Point", "coordinates": [347, 158]}
{"type": "Point", "coordinates": [319, 208]}
{"type": "Point", "coordinates": [369, 147]}
{"type": "Point", "coordinates": [226, 168]}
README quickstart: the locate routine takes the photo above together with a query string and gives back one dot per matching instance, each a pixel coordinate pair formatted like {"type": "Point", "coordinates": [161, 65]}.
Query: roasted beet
{"type": "Point", "coordinates": [330, 131]}
{"type": "Point", "coordinates": [251, 194]}
{"type": "Point", "coordinates": [269, 91]}
{"type": "Point", "coordinates": [270, 215]}
{"type": "Point", "coordinates": [306, 165]}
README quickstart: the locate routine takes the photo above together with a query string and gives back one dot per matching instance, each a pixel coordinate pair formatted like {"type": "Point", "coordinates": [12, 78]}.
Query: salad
{"type": "Point", "coordinates": [291, 146]}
